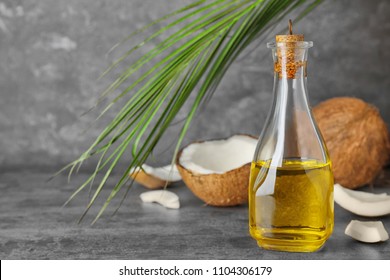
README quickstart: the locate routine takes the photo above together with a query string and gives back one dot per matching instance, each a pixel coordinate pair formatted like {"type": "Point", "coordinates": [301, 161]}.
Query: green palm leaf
{"type": "Point", "coordinates": [211, 36]}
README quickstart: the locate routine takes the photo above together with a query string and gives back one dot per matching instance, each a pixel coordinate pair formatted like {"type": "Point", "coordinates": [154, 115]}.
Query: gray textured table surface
{"type": "Point", "coordinates": [34, 226]}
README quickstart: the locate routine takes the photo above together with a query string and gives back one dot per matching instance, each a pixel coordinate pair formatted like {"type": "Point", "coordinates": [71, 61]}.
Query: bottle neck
{"type": "Point", "coordinates": [291, 111]}
{"type": "Point", "coordinates": [290, 78]}
{"type": "Point", "coordinates": [290, 131]}
{"type": "Point", "coordinates": [290, 63]}
{"type": "Point", "coordinates": [291, 94]}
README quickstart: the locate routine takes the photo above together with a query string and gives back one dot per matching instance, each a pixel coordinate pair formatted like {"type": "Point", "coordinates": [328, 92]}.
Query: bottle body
{"type": "Point", "coordinates": [291, 181]}
{"type": "Point", "coordinates": [298, 215]}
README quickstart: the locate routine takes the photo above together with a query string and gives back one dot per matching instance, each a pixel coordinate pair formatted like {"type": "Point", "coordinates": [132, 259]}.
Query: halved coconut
{"type": "Point", "coordinates": [155, 178]}
{"type": "Point", "coordinates": [217, 171]}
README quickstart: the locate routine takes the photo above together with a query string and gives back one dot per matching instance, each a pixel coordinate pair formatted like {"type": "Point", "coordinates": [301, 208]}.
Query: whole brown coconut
{"type": "Point", "coordinates": [357, 139]}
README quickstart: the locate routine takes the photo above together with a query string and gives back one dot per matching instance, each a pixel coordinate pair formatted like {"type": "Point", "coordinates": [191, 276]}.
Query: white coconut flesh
{"type": "Point", "coordinates": [165, 198]}
{"type": "Point", "coordinates": [218, 156]}
{"type": "Point", "coordinates": [369, 232]}
{"type": "Point", "coordinates": [362, 203]}
{"type": "Point", "coordinates": [165, 173]}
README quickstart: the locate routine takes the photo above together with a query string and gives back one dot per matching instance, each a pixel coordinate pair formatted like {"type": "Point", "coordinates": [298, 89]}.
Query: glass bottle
{"type": "Point", "coordinates": [291, 182]}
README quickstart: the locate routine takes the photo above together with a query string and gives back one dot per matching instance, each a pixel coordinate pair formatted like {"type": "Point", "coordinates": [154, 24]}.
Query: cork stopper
{"type": "Point", "coordinates": [290, 38]}
{"type": "Point", "coordinates": [287, 63]}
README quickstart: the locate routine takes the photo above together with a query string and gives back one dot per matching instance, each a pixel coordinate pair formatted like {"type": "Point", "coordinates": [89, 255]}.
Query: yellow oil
{"type": "Point", "coordinates": [291, 207]}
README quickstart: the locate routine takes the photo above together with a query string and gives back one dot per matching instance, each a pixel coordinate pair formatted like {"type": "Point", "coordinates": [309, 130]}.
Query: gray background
{"type": "Point", "coordinates": [52, 52]}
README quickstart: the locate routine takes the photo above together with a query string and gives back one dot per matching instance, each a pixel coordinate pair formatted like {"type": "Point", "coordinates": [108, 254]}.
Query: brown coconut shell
{"type": "Point", "coordinates": [357, 139]}
{"type": "Point", "coordinates": [227, 189]}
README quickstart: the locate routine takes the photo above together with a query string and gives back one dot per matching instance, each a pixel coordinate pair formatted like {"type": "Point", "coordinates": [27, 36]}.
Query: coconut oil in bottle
{"type": "Point", "coordinates": [296, 211]}
{"type": "Point", "coordinates": [291, 181]}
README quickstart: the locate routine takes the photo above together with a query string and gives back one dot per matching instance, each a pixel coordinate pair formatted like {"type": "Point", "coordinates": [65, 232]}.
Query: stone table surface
{"type": "Point", "coordinates": [33, 225]}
